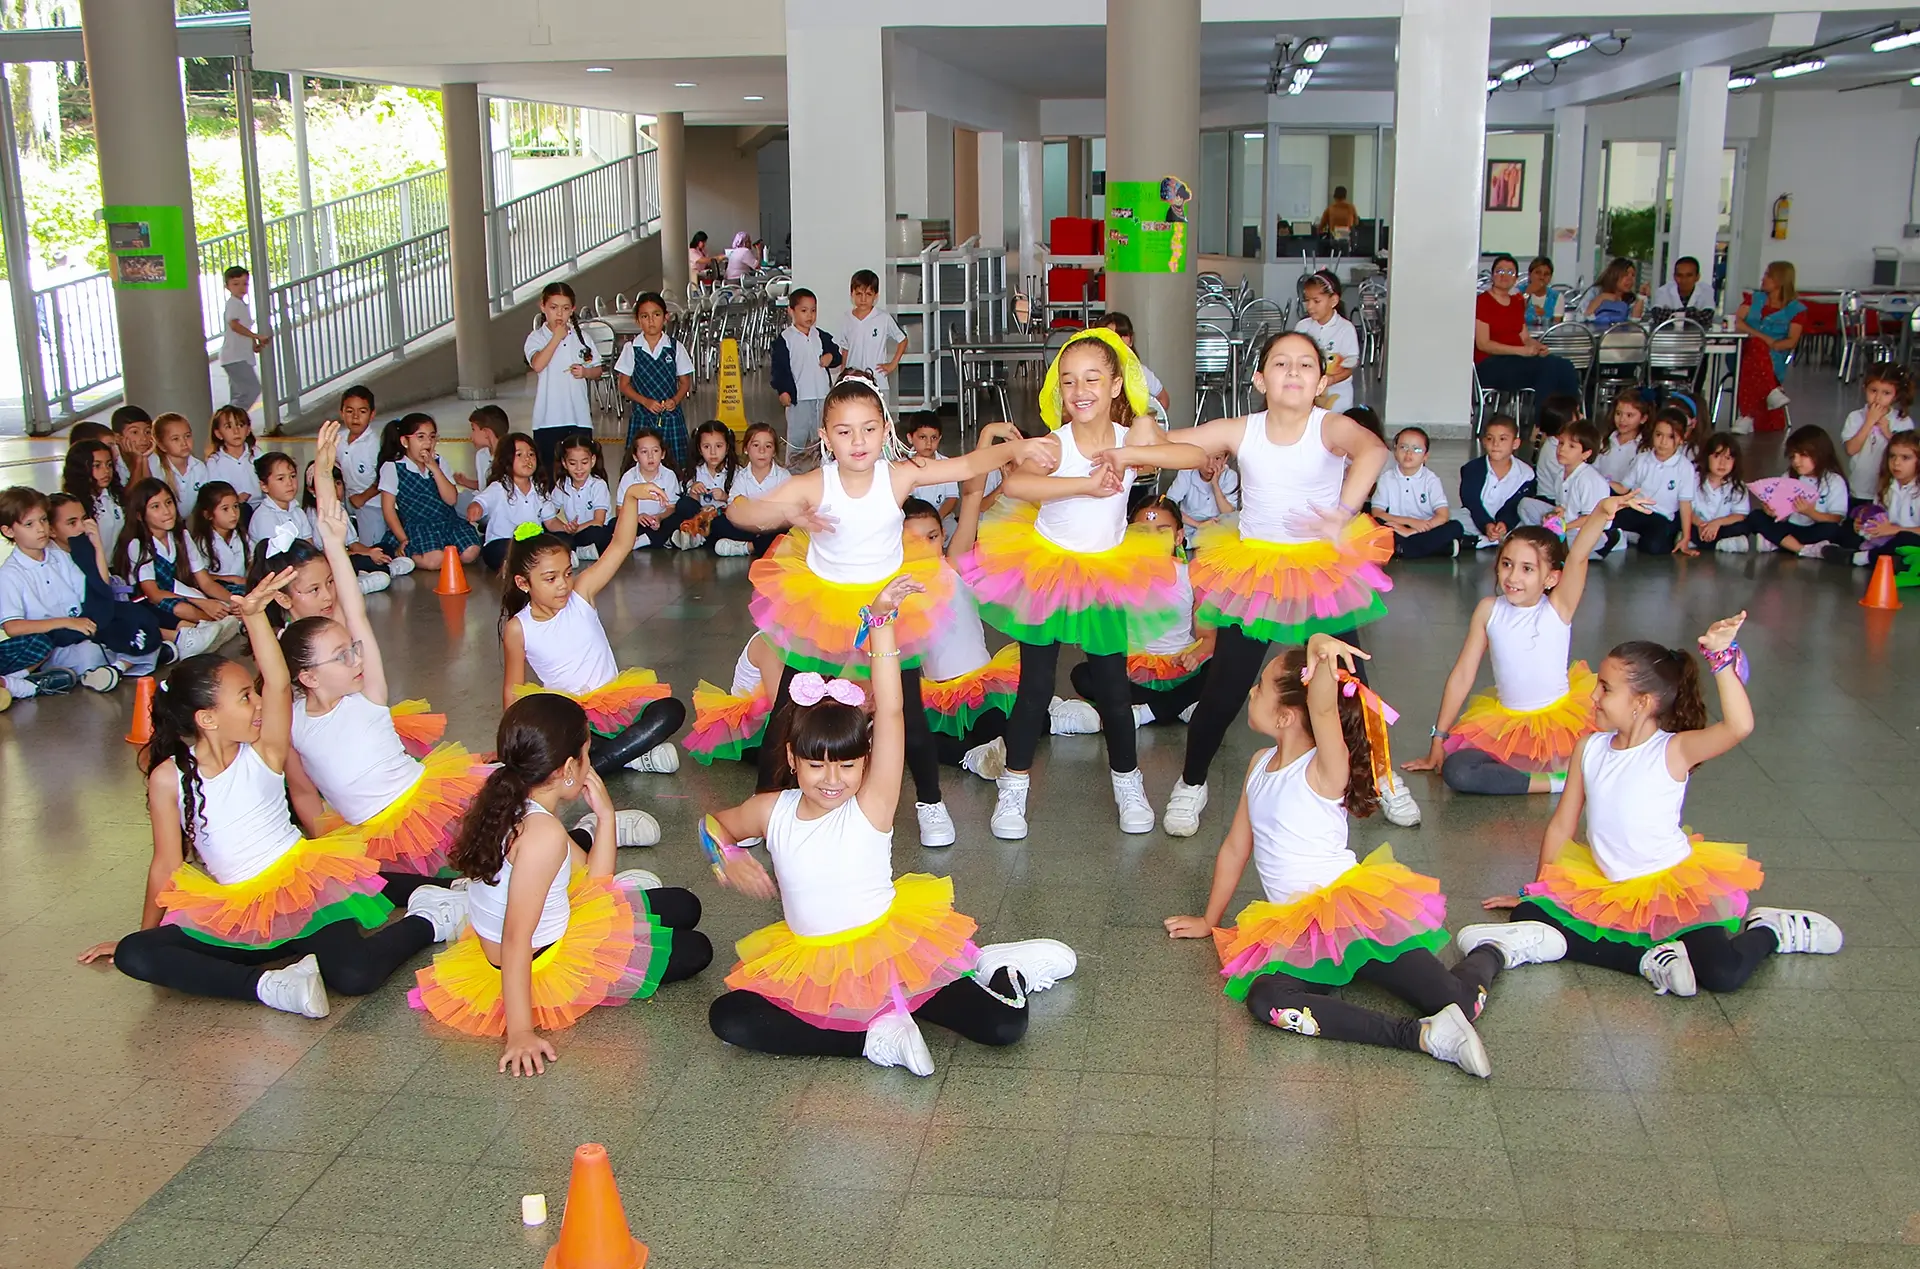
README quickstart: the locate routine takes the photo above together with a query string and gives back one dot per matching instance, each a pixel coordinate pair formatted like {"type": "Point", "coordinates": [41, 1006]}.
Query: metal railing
{"type": "Point", "coordinates": [550, 229]}
{"type": "Point", "coordinates": [79, 343]}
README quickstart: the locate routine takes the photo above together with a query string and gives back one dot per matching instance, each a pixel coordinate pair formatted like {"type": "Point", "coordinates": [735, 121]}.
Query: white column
{"type": "Point", "coordinates": [669, 134]}
{"type": "Point", "coordinates": [910, 163]}
{"type": "Point", "coordinates": [1032, 190]}
{"type": "Point", "coordinates": [1563, 199]}
{"type": "Point", "coordinates": [840, 149]}
{"type": "Point", "coordinates": [1702, 134]}
{"type": "Point", "coordinates": [993, 190]}
{"type": "Point", "coordinates": [1440, 126]}
{"type": "Point", "coordinates": [467, 240]}
{"type": "Point", "coordinates": [305, 241]}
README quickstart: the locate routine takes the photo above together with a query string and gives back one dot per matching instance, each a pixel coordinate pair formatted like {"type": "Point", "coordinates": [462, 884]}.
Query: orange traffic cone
{"type": "Point", "coordinates": [453, 575]}
{"type": "Point", "coordinates": [141, 730]}
{"type": "Point", "coordinates": [594, 1233]}
{"type": "Point", "coordinates": [1881, 589]}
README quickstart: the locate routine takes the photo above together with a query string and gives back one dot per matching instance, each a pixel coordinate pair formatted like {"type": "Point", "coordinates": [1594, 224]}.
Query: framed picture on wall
{"type": "Point", "coordinates": [1506, 184]}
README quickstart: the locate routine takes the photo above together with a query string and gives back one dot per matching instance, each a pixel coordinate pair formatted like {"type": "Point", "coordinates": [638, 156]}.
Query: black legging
{"type": "Point", "coordinates": [1775, 531]}
{"type": "Point", "coordinates": [1109, 691]}
{"type": "Point", "coordinates": [1721, 961]}
{"type": "Point", "coordinates": [1417, 977]}
{"type": "Point", "coordinates": [724, 530]}
{"type": "Point", "coordinates": [749, 1020]}
{"type": "Point", "coordinates": [1427, 543]}
{"type": "Point", "coordinates": [923, 756]}
{"type": "Point", "coordinates": [1657, 533]}
{"type": "Point", "coordinates": [671, 519]}
{"type": "Point", "coordinates": [494, 554]}
{"type": "Point", "coordinates": [597, 536]}
{"type": "Point", "coordinates": [1547, 376]}
{"type": "Point", "coordinates": [1165, 703]}
{"type": "Point", "coordinates": [1904, 538]}
{"type": "Point", "coordinates": [1476, 771]}
{"type": "Point", "coordinates": [990, 725]}
{"type": "Point", "coordinates": [657, 723]}
{"type": "Point", "coordinates": [1237, 658]}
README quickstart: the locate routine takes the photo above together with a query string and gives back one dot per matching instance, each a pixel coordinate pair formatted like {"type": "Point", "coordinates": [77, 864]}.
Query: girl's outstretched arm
{"type": "Point", "coordinates": [973, 492]}
{"type": "Point", "coordinates": [597, 574]}
{"type": "Point", "coordinates": [276, 687]}
{"type": "Point", "coordinates": [739, 869]}
{"type": "Point", "coordinates": [1042, 453]}
{"type": "Point", "coordinates": [795, 502]}
{"type": "Point", "coordinates": [1459, 683]}
{"type": "Point", "coordinates": [1228, 867]}
{"type": "Point", "coordinates": [1330, 769]}
{"type": "Point", "coordinates": [351, 603]}
{"type": "Point", "coordinates": [879, 794]}
{"type": "Point", "coordinates": [1689, 749]}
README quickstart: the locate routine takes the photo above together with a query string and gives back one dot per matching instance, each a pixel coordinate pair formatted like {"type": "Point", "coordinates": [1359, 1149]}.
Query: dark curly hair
{"type": "Point", "coordinates": [1363, 797]}
{"type": "Point", "coordinates": [186, 688]}
{"type": "Point", "coordinates": [537, 735]}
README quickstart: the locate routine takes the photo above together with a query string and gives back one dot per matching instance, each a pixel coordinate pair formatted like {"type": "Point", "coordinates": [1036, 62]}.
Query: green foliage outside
{"type": "Point", "coordinates": [1630, 233]}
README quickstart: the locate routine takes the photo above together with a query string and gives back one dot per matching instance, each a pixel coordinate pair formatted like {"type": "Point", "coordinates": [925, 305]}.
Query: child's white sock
{"type": "Point", "coordinates": [1557, 783]}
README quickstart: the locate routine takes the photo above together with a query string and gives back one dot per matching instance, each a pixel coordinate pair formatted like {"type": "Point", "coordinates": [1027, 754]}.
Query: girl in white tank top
{"type": "Point", "coordinates": [1641, 895]}
{"type": "Point", "coordinates": [1329, 917]}
{"type": "Point", "coordinates": [549, 627]}
{"type": "Point", "coordinates": [859, 952]}
{"type": "Point", "coordinates": [554, 931]}
{"type": "Point", "coordinates": [731, 724]}
{"type": "Point", "coordinates": [968, 691]}
{"type": "Point", "coordinates": [845, 544]}
{"type": "Point", "coordinates": [1519, 737]}
{"type": "Point", "coordinates": [243, 888]}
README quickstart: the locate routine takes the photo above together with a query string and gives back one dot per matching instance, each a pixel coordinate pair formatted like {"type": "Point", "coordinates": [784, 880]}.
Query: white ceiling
{"type": "Point", "coordinates": [645, 87]}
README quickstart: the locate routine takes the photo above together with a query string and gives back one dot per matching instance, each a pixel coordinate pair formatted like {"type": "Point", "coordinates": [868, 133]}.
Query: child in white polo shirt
{"type": "Point", "coordinates": [1410, 500]}
{"type": "Point", "coordinates": [874, 341]}
{"type": "Point", "coordinates": [1664, 472]}
{"type": "Point", "coordinates": [49, 647]}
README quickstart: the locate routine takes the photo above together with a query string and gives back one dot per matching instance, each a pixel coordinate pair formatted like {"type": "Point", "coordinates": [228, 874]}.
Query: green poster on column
{"type": "Point", "coordinates": [1147, 225]}
{"type": "Point", "coordinates": [147, 248]}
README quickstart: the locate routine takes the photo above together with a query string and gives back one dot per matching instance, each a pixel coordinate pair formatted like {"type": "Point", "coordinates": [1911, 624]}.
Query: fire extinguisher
{"type": "Point", "coordinates": [1782, 210]}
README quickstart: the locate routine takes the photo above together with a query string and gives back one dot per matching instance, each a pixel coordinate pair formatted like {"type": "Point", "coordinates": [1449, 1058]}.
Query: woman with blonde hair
{"type": "Point", "coordinates": [1773, 328]}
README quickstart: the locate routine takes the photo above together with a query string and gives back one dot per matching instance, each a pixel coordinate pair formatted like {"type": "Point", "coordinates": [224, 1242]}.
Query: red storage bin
{"type": "Point", "coordinates": [1075, 236]}
{"type": "Point", "coordinates": [1067, 284]}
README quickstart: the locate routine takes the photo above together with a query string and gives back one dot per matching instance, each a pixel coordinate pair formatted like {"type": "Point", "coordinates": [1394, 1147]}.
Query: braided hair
{"type": "Point", "coordinates": [1363, 796]}
{"type": "Point", "coordinates": [188, 687]}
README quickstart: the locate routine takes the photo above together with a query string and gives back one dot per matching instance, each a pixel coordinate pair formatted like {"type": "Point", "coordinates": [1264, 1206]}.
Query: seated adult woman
{"type": "Point", "coordinates": [1772, 327]}
{"type": "Point", "coordinates": [701, 267]}
{"type": "Point", "coordinates": [1543, 302]}
{"type": "Point", "coordinates": [1508, 358]}
{"type": "Point", "coordinates": [742, 259]}
{"type": "Point", "coordinates": [1615, 298]}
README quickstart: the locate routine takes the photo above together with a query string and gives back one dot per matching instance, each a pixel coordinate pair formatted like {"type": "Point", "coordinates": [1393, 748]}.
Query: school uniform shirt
{"type": "Point", "coordinates": [1863, 469]}
{"type": "Point", "coordinates": [1614, 463]}
{"type": "Point", "coordinates": [1194, 495]}
{"type": "Point", "coordinates": [559, 399]}
{"type": "Point", "coordinates": [669, 485]}
{"type": "Point", "coordinates": [154, 469]}
{"type": "Point", "coordinates": [1486, 493]}
{"type": "Point", "coordinates": [1667, 483]}
{"type": "Point", "coordinates": [796, 363]}
{"type": "Point", "coordinates": [1903, 505]}
{"type": "Point", "coordinates": [230, 554]}
{"type": "Point", "coordinates": [141, 568]}
{"type": "Point", "coordinates": [482, 467]}
{"type": "Point", "coordinates": [1420, 496]}
{"type": "Point", "coordinates": [237, 470]}
{"type": "Point", "coordinates": [682, 363]}
{"type": "Point", "coordinates": [235, 347]}
{"type": "Point", "coordinates": [1548, 474]}
{"type": "Point", "coordinates": [938, 494]}
{"type": "Point", "coordinates": [870, 343]}
{"type": "Point", "coordinates": [1337, 337]}
{"type": "Point", "coordinates": [507, 507]}
{"type": "Point", "coordinates": [1716, 502]}
{"type": "Point", "coordinates": [40, 590]}
{"type": "Point", "coordinates": [1583, 490]}
{"type": "Point", "coordinates": [268, 516]}
{"type": "Point", "coordinates": [360, 462]}
{"type": "Point", "coordinates": [186, 485]}
{"type": "Point", "coordinates": [390, 474]}
{"type": "Point", "coordinates": [1154, 386]}
{"type": "Point", "coordinates": [747, 485]}
{"type": "Point", "coordinates": [578, 503]}
{"type": "Point", "coordinates": [1832, 499]}
{"type": "Point", "coordinates": [716, 483]}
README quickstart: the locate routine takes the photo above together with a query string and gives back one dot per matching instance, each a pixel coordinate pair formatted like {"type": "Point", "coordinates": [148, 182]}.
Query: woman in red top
{"type": "Point", "coordinates": [1508, 358]}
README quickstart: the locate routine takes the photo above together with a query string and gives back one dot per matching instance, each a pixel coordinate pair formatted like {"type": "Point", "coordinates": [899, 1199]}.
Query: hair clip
{"type": "Point", "coordinates": [528, 530]}
{"type": "Point", "coordinates": [809, 688]}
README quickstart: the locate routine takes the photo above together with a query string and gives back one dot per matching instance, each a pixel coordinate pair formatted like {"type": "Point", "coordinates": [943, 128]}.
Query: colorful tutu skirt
{"type": "Point", "coordinates": [844, 981]}
{"type": "Point", "coordinates": [418, 728]}
{"type": "Point", "coordinates": [1158, 671]}
{"type": "Point", "coordinates": [317, 882]}
{"type": "Point", "coordinates": [416, 832]}
{"type": "Point", "coordinates": [814, 622]}
{"type": "Point", "coordinates": [725, 725]}
{"type": "Point", "coordinates": [1101, 602]}
{"type": "Point", "coordinates": [1538, 741]}
{"type": "Point", "coordinates": [1286, 591]}
{"type": "Point", "coordinates": [954, 705]}
{"type": "Point", "coordinates": [613, 950]}
{"type": "Point", "coordinates": [612, 707]}
{"type": "Point", "coordinates": [1377, 910]}
{"type": "Point", "coordinates": [1709, 887]}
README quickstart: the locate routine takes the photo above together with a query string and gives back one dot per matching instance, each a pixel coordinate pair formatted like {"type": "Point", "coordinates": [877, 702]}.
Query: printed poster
{"type": "Point", "coordinates": [1147, 225]}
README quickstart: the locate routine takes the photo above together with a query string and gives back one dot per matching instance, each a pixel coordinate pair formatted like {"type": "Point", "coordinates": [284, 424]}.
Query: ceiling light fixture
{"type": "Point", "coordinates": [686, 85]}
{"type": "Point", "coordinates": [1493, 85]}
{"type": "Point", "coordinates": [753, 99]}
{"type": "Point", "coordinates": [1253, 136]}
{"type": "Point", "coordinates": [1805, 66]}
{"type": "Point", "coordinates": [1569, 46]}
{"type": "Point", "coordinates": [1300, 78]}
{"type": "Point", "coordinates": [1738, 82]}
{"type": "Point", "coordinates": [1899, 39]}
{"type": "Point", "coordinates": [1313, 50]}
{"type": "Point", "coordinates": [599, 70]}
{"type": "Point", "coordinates": [1519, 70]}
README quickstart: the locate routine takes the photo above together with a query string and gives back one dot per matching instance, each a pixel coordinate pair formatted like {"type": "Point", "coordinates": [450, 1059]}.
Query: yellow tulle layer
{"type": "Point", "coordinates": [1286, 591]}
{"type": "Point", "coordinates": [415, 833]}
{"type": "Point", "coordinates": [1534, 740]}
{"type": "Point", "coordinates": [1163, 669]}
{"type": "Point", "coordinates": [612, 707]}
{"type": "Point", "coordinates": [725, 725]}
{"type": "Point", "coordinates": [815, 622]}
{"type": "Point", "coordinates": [417, 726]}
{"type": "Point", "coordinates": [1708, 887]}
{"type": "Point", "coordinates": [1103, 602]}
{"type": "Point", "coordinates": [954, 705]}
{"type": "Point", "coordinates": [281, 902]}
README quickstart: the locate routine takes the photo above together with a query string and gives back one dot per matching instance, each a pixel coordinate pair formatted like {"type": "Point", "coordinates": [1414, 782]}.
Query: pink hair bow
{"type": "Point", "coordinates": [809, 688]}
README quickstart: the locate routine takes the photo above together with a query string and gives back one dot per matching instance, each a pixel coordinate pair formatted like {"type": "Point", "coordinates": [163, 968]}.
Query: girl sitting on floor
{"type": "Point", "coordinates": [417, 496]}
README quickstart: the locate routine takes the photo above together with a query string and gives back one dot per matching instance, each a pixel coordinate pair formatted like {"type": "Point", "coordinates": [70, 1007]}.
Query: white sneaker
{"type": "Point", "coordinates": [1484, 543]}
{"type": "Point", "coordinates": [1669, 969]}
{"type": "Point", "coordinates": [1733, 546]}
{"type": "Point", "coordinates": [399, 566]}
{"type": "Point", "coordinates": [1182, 818]}
{"type": "Point", "coordinates": [587, 554]}
{"type": "Point", "coordinates": [1073, 718]}
{"type": "Point", "coordinates": [444, 909]}
{"type": "Point", "coordinates": [1396, 802]}
{"type": "Point", "coordinates": [636, 879]}
{"type": "Point", "coordinates": [1448, 1036]}
{"type": "Point", "coordinates": [630, 828]}
{"type": "Point", "coordinates": [732, 547]}
{"type": "Point", "coordinates": [1763, 546]}
{"type": "Point", "coordinates": [1860, 559]}
{"type": "Point", "coordinates": [1009, 822]}
{"type": "Point", "coordinates": [1778, 400]}
{"type": "Point", "coordinates": [894, 1039]}
{"type": "Point", "coordinates": [1520, 942]}
{"type": "Point", "coordinates": [101, 678]}
{"type": "Point", "coordinates": [988, 761]}
{"type": "Point", "coordinates": [1142, 715]}
{"type": "Point", "coordinates": [659, 760]}
{"type": "Point", "coordinates": [1130, 798]}
{"type": "Point", "coordinates": [1040, 962]}
{"type": "Point", "coordinates": [295, 989]}
{"type": "Point", "coordinates": [685, 540]}
{"type": "Point", "coordinates": [1813, 550]}
{"type": "Point", "coordinates": [1797, 930]}
{"type": "Point", "coordinates": [373, 583]}
{"type": "Point", "coordinates": [1186, 715]}
{"type": "Point", "coordinates": [936, 826]}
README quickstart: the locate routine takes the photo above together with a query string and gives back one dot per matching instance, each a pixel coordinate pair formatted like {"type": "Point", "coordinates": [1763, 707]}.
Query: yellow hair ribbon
{"type": "Point", "coordinates": [1132, 374]}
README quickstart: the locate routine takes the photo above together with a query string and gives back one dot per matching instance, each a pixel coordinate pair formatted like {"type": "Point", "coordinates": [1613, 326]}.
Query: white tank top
{"type": "Point", "coordinates": [746, 675]}
{"type": "Point", "coordinates": [1633, 807]}
{"type": "Point", "coordinates": [569, 652]}
{"type": "Point", "coordinates": [835, 873]}
{"type": "Point", "coordinates": [487, 900]}
{"type": "Point", "coordinates": [1084, 524]}
{"type": "Point", "coordinates": [1529, 649]}
{"type": "Point", "coordinates": [244, 824]}
{"type": "Point", "coordinates": [1278, 482]}
{"type": "Point", "coordinates": [1299, 837]}
{"type": "Point", "coordinates": [865, 543]}
{"type": "Point", "coordinates": [1180, 638]}
{"type": "Point", "coordinates": [354, 756]}
{"type": "Point", "coordinates": [959, 643]}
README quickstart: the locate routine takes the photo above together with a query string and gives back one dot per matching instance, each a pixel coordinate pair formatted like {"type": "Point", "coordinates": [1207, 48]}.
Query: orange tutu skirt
{"type": "Point", "coordinates": [1286, 591]}
{"type": "Point", "coordinates": [612, 707]}
{"type": "Point", "coordinates": [416, 832]}
{"type": "Point", "coordinates": [1540, 740]}
{"type": "Point", "coordinates": [417, 726]}
{"type": "Point", "coordinates": [317, 882]}
{"type": "Point", "coordinates": [954, 705]}
{"type": "Point", "coordinates": [814, 622]}
{"type": "Point", "coordinates": [1708, 887]}
{"type": "Point", "coordinates": [725, 725]}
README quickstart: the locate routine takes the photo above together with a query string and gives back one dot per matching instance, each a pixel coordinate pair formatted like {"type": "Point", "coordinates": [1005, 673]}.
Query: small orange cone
{"type": "Point", "coordinates": [141, 731]}
{"type": "Point", "coordinates": [453, 575]}
{"type": "Point", "coordinates": [1881, 589]}
{"type": "Point", "coordinates": [594, 1233]}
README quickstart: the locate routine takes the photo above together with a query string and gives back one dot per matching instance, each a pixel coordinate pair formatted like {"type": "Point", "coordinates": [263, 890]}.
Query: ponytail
{"type": "Point", "coordinates": [186, 688]}
{"type": "Point", "coordinates": [1671, 676]}
{"type": "Point", "coordinates": [536, 737]}
{"type": "Point", "coordinates": [1363, 794]}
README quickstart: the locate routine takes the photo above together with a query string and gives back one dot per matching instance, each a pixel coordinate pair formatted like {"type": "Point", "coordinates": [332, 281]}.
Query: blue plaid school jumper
{"type": "Point", "coordinates": [431, 524]}
{"type": "Point", "coordinates": [653, 377]}
{"type": "Point", "coordinates": [164, 577]}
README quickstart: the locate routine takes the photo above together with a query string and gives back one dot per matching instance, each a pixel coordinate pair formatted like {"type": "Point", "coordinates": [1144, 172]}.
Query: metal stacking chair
{"type": "Point", "coordinates": [1619, 362]}
{"type": "Point", "coordinates": [1213, 368]}
{"type": "Point", "coordinates": [1676, 351]}
{"type": "Point", "coordinates": [1575, 342]}
{"type": "Point", "coordinates": [1857, 348]}
{"type": "Point", "coordinates": [602, 393]}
